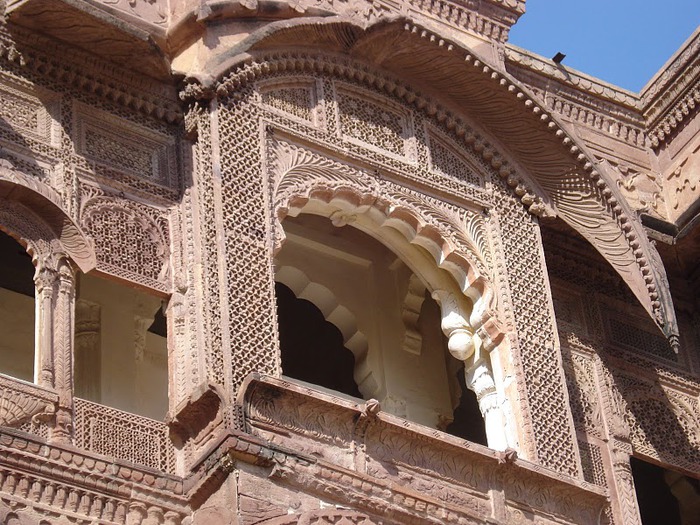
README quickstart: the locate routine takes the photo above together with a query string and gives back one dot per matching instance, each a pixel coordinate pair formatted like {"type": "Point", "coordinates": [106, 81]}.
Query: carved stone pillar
{"type": "Point", "coordinates": [44, 280]}
{"type": "Point", "coordinates": [55, 292]}
{"type": "Point", "coordinates": [628, 511]}
{"type": "Point", "coordinates": [87, 358]}
{"type": "Point", "coordinates": [479, 378]}
{"type": "Point", "coordinates": [466, 347]}
{"type": "Point", "coordinates": [624, 507]}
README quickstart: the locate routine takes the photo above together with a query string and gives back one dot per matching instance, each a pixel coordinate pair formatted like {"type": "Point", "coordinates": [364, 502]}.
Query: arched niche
{"type": "Point", "coordinates": [31, 213]}
{"type": "Point", "coordinates": [422, 245]}
{"type": "Point", "coordinates": [47, 222]}
{"type": "Point", "coordinates": [335, 313]}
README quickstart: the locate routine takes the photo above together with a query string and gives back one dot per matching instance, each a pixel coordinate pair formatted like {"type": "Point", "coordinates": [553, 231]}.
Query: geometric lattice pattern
{"type": "Point", "coordinates": [592, 463]}
{"type": "Point", "coordinates": [252, 330]}
{"type": "Point", "coordinates": [642, 341]}
{"type": "Point", "coordinates": [123, 435]}
{"type": "Point", "coordinates": [543, 377]}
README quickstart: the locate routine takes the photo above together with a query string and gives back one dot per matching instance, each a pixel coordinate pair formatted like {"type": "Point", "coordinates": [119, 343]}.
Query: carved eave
{"type": "Point", "coordinates": [518, 57]}
{"type": "Point", "coordinates": [548, 169]}
{"type": "Point", "coordinates": [45, 203]}
{"type": "Point", "coordinates": [673, 95]}
{"type": "Point", "coordinates": [95, 28]}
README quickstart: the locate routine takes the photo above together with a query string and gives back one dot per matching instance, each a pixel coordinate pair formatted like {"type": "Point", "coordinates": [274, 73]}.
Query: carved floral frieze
{"type": "Point", "coordinates": [21, 402]}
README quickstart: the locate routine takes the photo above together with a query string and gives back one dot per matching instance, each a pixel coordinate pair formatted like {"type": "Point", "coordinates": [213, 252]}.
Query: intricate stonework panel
{"type": "Point", "coordinates": [131, 240]}
{"type": "Point", "coordinates": [547, 407]}
{"type": "Point", "coordinates": [663, 422]}
{"type": "Point", "coordinates": [682, 184]}
{"type": "Point", "coordinates": [122, 435]}
{"type": "Point", "coordinates": [445, 159]}
{"type": "Point", "coordinates": [125, 146]}
{"type": "Point", "coordinates": [295, 98]}
{"type": "Point", "coordinates": [442, 479]}
{"type": "Point", "coordinates": [592, 463]}
{"type": "Point", "coordinates": [582, 386]}
{"type": "Point", "coordinates": [374, 123]}
{"type": "Point", "coordinates": [20, 402]}
{"type": "Point", "coordinates": [29, 110]}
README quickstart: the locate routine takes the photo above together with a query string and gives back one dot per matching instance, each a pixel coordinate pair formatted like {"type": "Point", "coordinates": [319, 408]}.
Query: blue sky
{"type": "Point", "coordinates": [623, 42]}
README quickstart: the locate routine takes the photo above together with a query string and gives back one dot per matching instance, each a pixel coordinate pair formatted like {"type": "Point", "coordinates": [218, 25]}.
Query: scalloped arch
{"type": "Point", "coordinates": [346, 197]}
{"type": "Point", "coordinates": [335, 313]}
{"type": "Point", "coordinates": [37, 217]}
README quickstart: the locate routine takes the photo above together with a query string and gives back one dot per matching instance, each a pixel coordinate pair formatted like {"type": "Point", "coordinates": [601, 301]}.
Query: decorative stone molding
{"type": "Point", "coordinates": [66, 485]}
{"type": "Point", "coordinates": [26, 49]}
{"type": "Point", "coordinates": [27, 193]}
{"type": "Point", "coordinates": [325, 517]}
{"type": "Point", "coordinates": [21, 402]}
{"type": "Point", "coordinates": [672, 96]}
{"type": "Point", "coordinates": [281, 412]}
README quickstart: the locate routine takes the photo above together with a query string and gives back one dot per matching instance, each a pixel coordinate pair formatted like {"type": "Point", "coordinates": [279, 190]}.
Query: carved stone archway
{"type": "Point", "coordinates": [31, 213]}
{"type": "Point", "coordinates": [440, 249]}
{"type": "Point", "coordinates": [50, 221]}
{"type": "Point", "coordinates": [334, 312]}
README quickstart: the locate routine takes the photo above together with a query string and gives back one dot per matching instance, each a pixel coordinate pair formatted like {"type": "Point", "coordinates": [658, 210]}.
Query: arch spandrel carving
{"type": "Point", "coordinates": [550, 171]}
{"type": "Point", "coordinates": [45, 206]}
{"type": "Point", "coordinates": [315, 184]}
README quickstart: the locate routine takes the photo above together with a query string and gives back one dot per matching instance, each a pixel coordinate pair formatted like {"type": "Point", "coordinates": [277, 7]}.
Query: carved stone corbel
{"type": "Point", "coordinates": [467, 346]}
{"type": "Point", "coordinates": [455, 325]}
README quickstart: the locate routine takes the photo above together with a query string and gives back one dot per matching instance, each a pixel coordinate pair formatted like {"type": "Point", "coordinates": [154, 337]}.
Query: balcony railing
{"type": "Point", "coordinates": [129, 437]}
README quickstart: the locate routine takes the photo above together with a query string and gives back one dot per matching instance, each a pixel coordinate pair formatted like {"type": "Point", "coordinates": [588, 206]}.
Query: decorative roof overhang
{"type": "Point", "coordinates": [130, 41]}
{"type": "Point", "coordinates": [46, 204]}
{"type": "Point", "coordinates": [495, 116]}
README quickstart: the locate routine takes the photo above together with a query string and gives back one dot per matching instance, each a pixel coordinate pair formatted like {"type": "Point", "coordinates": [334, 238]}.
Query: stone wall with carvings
{"type": "Point", "coordinates": [163, 147]}
{"type": "Point", "coordinates": [630, 393]}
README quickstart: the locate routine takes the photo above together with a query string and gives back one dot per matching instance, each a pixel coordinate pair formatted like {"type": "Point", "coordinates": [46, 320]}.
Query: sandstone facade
{"type": "Point", "coordinates": [260, 258]}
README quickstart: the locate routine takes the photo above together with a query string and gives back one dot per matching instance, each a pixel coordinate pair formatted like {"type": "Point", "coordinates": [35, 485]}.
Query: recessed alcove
{"type": "Point", "coordinates": [353, 317]}
{"type": "Point", "coordinates": [121, 357]}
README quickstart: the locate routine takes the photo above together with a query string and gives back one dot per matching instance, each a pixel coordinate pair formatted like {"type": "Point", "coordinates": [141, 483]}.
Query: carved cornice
{"type": "Point", "coordinates": [82, 485]}
{"type": "Point", "coordinates": [559, 179]}
{"type": "Point", "coordinates": [571, 77]}
{"type": "Point", "coordinates": [26, 50]}
{"type": "Point", "coordinates": [674, 92]}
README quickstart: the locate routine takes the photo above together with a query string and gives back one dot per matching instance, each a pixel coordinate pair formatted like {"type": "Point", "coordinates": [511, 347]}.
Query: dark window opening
{"type": "Point", "coordinates": [17, 310]}
{"type": "Point", "coordinates": [160, 324]}
{"type": "Point", "coordinates": [665, 497]}
{"type": "Point", "coordinates": [468, 423]}
{"type": "Point", "coordinates": [312, 348]}
{"type": "Point", "coordinates": [16, 268]}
